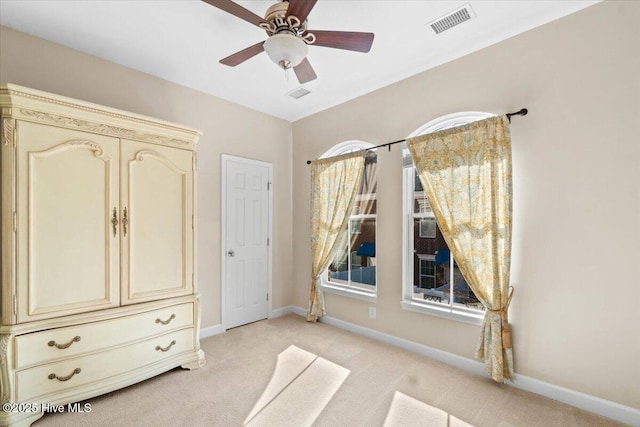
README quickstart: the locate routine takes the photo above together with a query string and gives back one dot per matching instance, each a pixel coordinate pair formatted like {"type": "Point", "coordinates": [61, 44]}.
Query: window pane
{"type": "Point", "coordinates": [363, 252]}
{"type": "Point", "coordinates": [463, 295]}
{"type": "Point", "coordinates": [365, 203]}
{"type": "Point", "coordinates": [426, 261]}
{"type": "Point", "coordinates": [420, 203]}
{"type": "Point", "coordinates": [432, 261]}
{"type": "Point", "coordinates": [427, 273]}
{"type": "Point", "coordinates": [354, 265]}
{"type": "Point", "coordinates": [339, 268]}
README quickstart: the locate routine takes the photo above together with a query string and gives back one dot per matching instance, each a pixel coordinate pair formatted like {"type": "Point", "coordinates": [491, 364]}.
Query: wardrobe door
{"type": "Point", "coordinates": [68, 248]}
{"type": "Point", "coordinates": [157, 246]}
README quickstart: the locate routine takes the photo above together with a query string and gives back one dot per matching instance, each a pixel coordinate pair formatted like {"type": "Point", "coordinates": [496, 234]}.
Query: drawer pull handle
{"type": "Point", "coordinates": [67, 378]}
{"type": "Point", "coordinates": [63, 346]}
{"type": "Point", "coordinates": [166, 322]}
{"type": "Point", "coordinates": [158, 348]}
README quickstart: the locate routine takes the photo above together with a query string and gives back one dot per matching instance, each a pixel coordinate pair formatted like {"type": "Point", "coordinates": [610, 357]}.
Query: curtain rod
{"type": "Point", "coordinates": [521, 112]}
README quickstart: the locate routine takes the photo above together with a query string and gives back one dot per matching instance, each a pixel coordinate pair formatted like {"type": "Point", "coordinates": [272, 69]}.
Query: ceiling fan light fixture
{"type": "Point", "coordinates": [285, 50]}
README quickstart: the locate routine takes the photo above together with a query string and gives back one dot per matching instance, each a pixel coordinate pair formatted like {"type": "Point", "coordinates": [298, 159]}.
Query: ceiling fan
{"type": "Point", "coordinates": [286, 25]}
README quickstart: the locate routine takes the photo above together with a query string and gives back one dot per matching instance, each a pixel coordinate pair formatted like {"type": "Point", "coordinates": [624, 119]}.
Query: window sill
{"type": "Point", "coordinates": [349, 292]}
{"type": "Point", "coordinates": [444, 312]}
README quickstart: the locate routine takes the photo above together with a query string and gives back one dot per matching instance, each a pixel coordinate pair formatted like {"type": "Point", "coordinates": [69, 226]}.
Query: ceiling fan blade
{"type": "Point", "coordinates": [304, 71]}
{"type": "Point", "coordinates": [236, 10]}
{"type": "Point", "coordinates": [359, 42]}
{"type": "Point", "coordinates": [243, 55]}
{"type": "Point", "coordinates": [300, 8]}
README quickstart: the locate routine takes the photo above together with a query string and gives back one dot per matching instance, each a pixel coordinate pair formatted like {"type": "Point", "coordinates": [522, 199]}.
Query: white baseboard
{"type": "Point", "coordinates": [286, 310]}
{"type": "Point", "coordinates": [211, 331]}
{"type": "Point", "coordinates": [431, 352]}
{"type": "Point", "coordinates": [280, 311]}
{"type": "Point", "coordinates": [606, 408]}
{"type": "Point", "coordinates": [218, 329]}
{"type": "Point", "coordinates": [299, 311]}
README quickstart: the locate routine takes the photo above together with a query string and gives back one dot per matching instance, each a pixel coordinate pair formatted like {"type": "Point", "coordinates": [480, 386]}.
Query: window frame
{"type": "Point", "coordinates": [438, 309]}
{"type": "Point", "coordinates": [362, 291]}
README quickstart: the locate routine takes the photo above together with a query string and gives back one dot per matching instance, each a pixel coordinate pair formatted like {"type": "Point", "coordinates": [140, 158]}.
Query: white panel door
{"type": "Point", "coordinates": [246, 251]}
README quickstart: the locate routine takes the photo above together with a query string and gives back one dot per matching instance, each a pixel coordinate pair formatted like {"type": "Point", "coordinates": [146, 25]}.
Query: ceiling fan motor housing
{"type": "Point", "coordinates": [276, 10]}
{"type": "Point", "coordinates": [278, 22]}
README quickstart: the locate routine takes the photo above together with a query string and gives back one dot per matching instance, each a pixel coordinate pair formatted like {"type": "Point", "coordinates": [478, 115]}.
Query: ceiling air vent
{"type": "Point", "coordinates": [452, 19]}
{"type": "Point", "coordinates": [298, 93]}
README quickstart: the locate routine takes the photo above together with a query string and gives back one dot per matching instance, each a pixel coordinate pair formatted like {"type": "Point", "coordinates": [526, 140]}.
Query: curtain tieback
{"type": "Point", "coordinates": [314, 286]}
{"type": "Point", "coordinates": [506, 330]}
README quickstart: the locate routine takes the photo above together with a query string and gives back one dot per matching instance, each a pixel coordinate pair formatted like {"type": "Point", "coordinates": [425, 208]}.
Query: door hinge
{"type": "Point", "coordinates": [193, 221]}
{"type": "Point", "coordinates": [15, 222]}
{"type": "Point", "coordinates": [267, 296]}
{"type": "Point", "coordinates": [15, 305]}
{"type": "Point", "coordinates": [268, 186]}
{"type": "Point", "coordinates": [267, 241]}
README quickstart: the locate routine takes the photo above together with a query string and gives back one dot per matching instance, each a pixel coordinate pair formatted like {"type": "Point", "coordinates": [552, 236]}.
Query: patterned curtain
{"type": "Point", "coordinates": [334, 184]}
{"type": "Point", "coordinates": [466, 173]}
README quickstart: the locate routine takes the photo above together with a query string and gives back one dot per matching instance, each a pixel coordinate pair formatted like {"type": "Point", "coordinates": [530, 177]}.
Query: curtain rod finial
{"type": "Point", "coordinates": [521, 112]}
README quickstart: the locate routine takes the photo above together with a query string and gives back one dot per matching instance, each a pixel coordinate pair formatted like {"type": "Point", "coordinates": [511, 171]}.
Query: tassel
{"type": "Point", "coordinates": [506, 336]}
{"type": "Point", "coordinates": [506, 330]}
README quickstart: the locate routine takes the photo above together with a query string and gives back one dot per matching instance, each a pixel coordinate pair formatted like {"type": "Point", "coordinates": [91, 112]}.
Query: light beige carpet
{"type": "Point", "coordinates": [301, 386]}
{"type": "Point", "coordinates": [241, 363]}
{"type": "Point", "coordinates": [406, 411]}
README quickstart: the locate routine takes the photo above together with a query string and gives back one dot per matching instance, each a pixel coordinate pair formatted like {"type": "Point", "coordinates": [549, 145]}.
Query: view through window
{"type": "Point", "coordinates": [436, 276]}
{"type": "Point", "coordinates": [432, 276]}
{"type": "Point", "coordinates": [354, 266]}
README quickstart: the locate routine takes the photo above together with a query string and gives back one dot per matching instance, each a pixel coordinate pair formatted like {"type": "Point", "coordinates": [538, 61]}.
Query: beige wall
{"type": "Point", "coordinates": [39, 64]}
{"type": "Point", "coordinates": [576, 247]}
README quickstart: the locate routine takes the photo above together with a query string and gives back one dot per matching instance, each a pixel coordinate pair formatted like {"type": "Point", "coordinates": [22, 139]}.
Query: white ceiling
{"type": "Point", "coordinates": [182, 41]}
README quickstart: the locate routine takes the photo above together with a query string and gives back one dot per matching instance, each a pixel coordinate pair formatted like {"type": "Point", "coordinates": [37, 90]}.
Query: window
{"type": "Point", "coordinates": [432, 281]}
{"type": "Point", "coordinates": [427, 278]}
{"type": "Point", "coordinates": [353, 270]}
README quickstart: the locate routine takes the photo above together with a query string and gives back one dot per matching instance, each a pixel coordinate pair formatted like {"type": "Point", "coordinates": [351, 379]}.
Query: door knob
{"type": "Point", "coordinates": [231, 253]}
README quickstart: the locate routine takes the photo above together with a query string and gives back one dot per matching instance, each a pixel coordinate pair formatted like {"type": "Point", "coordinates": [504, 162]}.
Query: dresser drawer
{"type": "Point", "coordinates": [33, 383]}
{"type": "Point", "coordinates": [55, 344]}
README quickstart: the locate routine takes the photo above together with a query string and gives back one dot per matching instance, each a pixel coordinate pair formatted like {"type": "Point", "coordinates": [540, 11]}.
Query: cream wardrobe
{"type": "Point", "coordinates": [98, 251]}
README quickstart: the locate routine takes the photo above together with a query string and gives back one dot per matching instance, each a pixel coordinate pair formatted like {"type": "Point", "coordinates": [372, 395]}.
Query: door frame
{"type": "Point", "coordinates": [223, 235]}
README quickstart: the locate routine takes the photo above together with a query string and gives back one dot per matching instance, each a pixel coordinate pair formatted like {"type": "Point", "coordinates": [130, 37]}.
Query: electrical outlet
{"type": "Point", "coordinates": [372, 312]}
